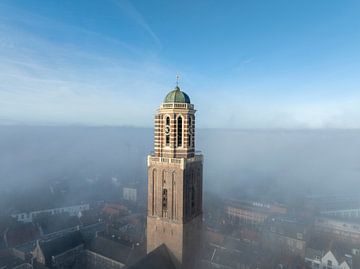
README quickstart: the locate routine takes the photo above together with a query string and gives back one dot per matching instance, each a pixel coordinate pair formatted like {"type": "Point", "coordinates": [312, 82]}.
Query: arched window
{"type": "Point", "coordinates": [167, 131]}
{"type": "Point", "coordinates": [179, 131]}
{"type": "Point", "coordinates": [165, 199]}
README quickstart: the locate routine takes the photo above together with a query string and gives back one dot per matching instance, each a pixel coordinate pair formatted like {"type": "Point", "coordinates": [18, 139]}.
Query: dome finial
{"type": "Point", "coordinates": [176, 95]}
{"type": "Point", "coordinates": [177, 80]}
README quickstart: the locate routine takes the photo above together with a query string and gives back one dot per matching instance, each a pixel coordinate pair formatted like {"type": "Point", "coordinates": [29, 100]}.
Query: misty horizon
{"type": "Point", "coordinates": [243, 157]}
{"type": "Point", "coordinates": [179, 134]}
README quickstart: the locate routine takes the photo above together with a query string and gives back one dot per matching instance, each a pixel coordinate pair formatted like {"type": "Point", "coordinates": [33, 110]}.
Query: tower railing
{"type": "Point", "coordinates": [177, 105]}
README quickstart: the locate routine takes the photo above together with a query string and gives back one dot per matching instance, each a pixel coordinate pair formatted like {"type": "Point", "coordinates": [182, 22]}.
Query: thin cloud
{"type": "Point", "coordinates": [55, 83]}
{"type": "Point", "coordinates": [45, 82]}
{"type": "Point", "coordinates": [136, 16]}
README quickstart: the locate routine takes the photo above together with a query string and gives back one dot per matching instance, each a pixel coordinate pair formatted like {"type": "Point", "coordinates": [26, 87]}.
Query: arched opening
{"type": "Point", "coordinates": [167, 131]}
{"type": "Point", "coordinates": [179, 131]}
{"type": "Point", "coordinates": [165, 202]}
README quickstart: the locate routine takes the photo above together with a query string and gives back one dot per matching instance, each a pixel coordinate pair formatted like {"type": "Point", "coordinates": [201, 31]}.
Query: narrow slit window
{"type": "Point", "coordinates": [167, 131]}
{"type": "Point", "coordinates": [165, 199]}
{"type": "Point", "coordinates": [179, 131]}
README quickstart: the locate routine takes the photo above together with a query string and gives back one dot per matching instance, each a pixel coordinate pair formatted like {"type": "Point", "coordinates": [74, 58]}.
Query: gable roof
{"type": "Point", "coordinates": [21, 233]}
{"type": "Point", "coordinates": [347, 263]}
{"type": "Point", "coordinates": [9, 261]}
{"type": "Point", "coordinates": [159, 258]}
{"type": "Point", "coordinates": [313, 254]}
{"type": "Point", "coordinates": [61, 244]}
{"type": "Point", "coordinates": [329, 254]}
{"type": "Point", "coordinates": [110, 249]}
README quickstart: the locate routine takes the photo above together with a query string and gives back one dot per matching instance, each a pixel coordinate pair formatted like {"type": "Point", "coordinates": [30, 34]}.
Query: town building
{"type": "Point", "coordinates": [9, 261]}
{"type": "Point", "coordinates": [338, 229]}
{"type": "Point", "coordinates": [325, 253]}
{"type": "Point", "coordinates": [130, 194]}
{"type": "Point", "coordinates": [107, 254]}
{"type": "Point", "coordinates": [349, 212]}
{"type": "Point", "coordinates": [286, 235]}
{"type": "Point", "coordinates": [74, 210]}
{"type": "Point", "coordinates": [60, 252]}
{"type": "Point", "coordinates": [114, 210]}
{"type": "Point", "coordinates": [251, 212]}
{"type": "Point", "coordinates": [346, 207]}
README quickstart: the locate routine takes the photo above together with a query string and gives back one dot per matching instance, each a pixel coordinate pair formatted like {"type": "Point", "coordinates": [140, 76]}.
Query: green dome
{"type": "Point", "coordinates": [177, 96]}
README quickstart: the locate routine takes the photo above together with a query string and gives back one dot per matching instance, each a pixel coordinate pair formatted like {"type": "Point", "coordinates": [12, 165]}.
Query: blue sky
{"type": "Point", "coordinates": [245, 64]}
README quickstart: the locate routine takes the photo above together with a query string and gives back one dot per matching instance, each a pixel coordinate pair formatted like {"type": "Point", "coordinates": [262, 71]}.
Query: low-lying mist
{"type": "Point", "coordinates": [237, 162]}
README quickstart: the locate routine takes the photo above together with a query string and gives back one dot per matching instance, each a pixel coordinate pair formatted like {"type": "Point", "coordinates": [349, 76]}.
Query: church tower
{"type": "Point", "coordinates": [175, 182]}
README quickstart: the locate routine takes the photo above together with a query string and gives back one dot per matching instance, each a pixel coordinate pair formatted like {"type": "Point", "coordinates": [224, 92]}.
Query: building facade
{"type": "Point", "coordinates": [130, 194]}
{"type": "Point", "coordinates": [338, 229]}
{"type": "Point", "coordinates": [251, 212]}
{"type": "Point", "coordinates": [175, 182]}
{"type": "Point", "coordinates": [316, 259]}
{"type": "Point", "coordinates": [74, 210]}
{"type": "Point", "coordinates": [285, 235]}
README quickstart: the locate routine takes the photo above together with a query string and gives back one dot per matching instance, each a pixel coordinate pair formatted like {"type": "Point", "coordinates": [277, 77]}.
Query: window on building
{"type": "Point", "coordinates": [165, 199]}
{"type": "Point", "coordinates": [179, 131]}
{"type": "Point", "coordinates": [167, 133]}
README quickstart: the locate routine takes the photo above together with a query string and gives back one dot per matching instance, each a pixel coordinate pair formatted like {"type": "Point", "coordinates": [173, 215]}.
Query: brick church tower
{"type": "Point", "coordinates": [175, 182]}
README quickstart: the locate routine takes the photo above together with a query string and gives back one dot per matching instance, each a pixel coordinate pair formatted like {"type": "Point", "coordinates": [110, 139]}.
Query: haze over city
{"type": "Point", "coordinates": [179, 134]}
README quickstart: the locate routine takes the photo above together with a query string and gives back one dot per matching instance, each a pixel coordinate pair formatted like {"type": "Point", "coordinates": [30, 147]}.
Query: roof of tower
{"type": "Point", "coordinates": [177, 96]}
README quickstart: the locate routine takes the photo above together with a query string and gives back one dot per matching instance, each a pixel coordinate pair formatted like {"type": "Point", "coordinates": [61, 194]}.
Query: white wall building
{"type": "Point", "coordinates": [130, 194]}
{"type": "Point", "coordinates": [350, 213]}
{"type": "Point", "coordinates": [75, 210]}
{"type": "Point", "coordinates": [339, 229]}
{"type": "Point", "coordinates": [318, 260]}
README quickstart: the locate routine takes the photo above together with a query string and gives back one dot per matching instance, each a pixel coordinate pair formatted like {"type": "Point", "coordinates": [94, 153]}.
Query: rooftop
{"type": "Point", "coordinates": [177, 96]}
